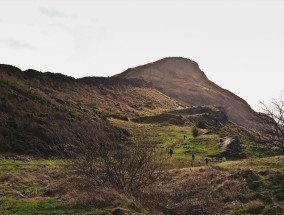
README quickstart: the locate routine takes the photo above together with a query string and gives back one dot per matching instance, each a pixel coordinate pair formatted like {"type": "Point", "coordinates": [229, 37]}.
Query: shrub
{"type": "Point", "coordinates": [195, 131]}
{"type": "Point", "coordinates": [101, 153]}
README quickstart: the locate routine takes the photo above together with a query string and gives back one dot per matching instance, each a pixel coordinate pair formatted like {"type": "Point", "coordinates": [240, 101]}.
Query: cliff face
{"type": "Point", "coordinates": [182, 79]}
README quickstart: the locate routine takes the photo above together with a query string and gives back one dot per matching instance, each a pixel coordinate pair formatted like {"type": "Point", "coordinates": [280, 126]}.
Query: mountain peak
{"type": "Point", "coordinates": [182, 79]}
{"type": "Point", "coordinates": [168, 69]}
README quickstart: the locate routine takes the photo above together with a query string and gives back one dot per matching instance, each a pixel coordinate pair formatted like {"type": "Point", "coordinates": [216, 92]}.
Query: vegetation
{"type": "Point", "coordinates": [32, 104]}
{"type": "Point", "coordinates": [102, 155]}
{"type": "Point", "coordinates": [101, 146]}
{"type": "Point", "coordinates": [194, 131]}
{"type": "Point", "coordinates": [272, 124]}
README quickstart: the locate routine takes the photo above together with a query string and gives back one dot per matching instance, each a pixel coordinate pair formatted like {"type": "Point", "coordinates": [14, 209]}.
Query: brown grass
{"type": "Point", "coordinates": [199, 190]}
{"type": "Point", "coordinates": [195, 191]}
{"type": "Point", "coordinates": [82, 192]}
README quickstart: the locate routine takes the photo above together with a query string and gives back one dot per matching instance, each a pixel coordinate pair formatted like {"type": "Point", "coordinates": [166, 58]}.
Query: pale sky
{"type": "Point", "coordinates": [238, 44]}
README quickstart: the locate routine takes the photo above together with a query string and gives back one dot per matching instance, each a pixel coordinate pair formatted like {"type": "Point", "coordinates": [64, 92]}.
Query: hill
{"type": "Point", "coordinates": [33, 103]}
{"type": "Point", "coordinates": [182, 80]}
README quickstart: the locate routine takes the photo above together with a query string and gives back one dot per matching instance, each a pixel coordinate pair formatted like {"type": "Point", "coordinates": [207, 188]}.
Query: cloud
{"type": "Point", "coordinates": [53, 13]}
{"type": "Point", "coordinates": [17, 44]}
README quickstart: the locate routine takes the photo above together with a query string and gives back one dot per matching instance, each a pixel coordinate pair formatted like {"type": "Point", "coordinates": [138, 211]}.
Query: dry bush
{"type": "Point", "coordinates": [254, 207]}
{"type": "Point", "coordinates": [132, 168]}
{"type": "Point", "coordinates": [205, 191]}
{"type": "Point", "coordinates": [99, 152]}
{"type": "Point", "coordinates": [271, 124]}
{"type": "Point", "coordinates": [77, 190]}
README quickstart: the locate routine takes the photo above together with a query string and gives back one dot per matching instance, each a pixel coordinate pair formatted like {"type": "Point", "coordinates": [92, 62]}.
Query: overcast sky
{"type": "Point", "coordinates": [238, 44]}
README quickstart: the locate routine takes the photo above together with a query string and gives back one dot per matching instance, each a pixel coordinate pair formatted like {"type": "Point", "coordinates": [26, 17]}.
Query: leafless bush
{"type": "Point", "coordinates": [100, 152]}
{"type": "Point", "coordinates": [132, 168]}
{"type": "Point", "coordinates": [271, 124]}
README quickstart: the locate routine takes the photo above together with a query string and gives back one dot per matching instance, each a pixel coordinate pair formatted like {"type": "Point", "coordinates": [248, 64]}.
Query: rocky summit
{"type": "Point", "coordinates": [182, 80]}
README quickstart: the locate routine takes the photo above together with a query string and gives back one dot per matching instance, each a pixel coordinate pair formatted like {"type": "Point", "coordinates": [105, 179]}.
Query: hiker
{"type": "Point", "coordinates": [199, 163]}
{"type": "Point", "coordinates": [206, 161]}
{"type": "Point", "coordinates": [171, 152]}
{"type": "Point", "coordinates": [192, 160]}
{"type": "Point", "coordinates": [192, 163]}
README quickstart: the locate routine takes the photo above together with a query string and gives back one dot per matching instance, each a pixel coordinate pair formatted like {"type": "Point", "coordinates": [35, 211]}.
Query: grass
{"type": "Point", "coordinates": [256, 151]}
{"type": "Point", "coordinates": [264, 192]}
{"type": "Point", "coordinates": [46, 206]}
{"type": "Point", "coordinates": [275, 164]}
{"type": "Point", "coordinates": [268, 181]}
{"type": "Point", "coordinates": [171, 136]}
{"type": "Point", "coordinates": [41, 162]}
{"type": "Point", "coordinates": [30, 111]}
{"type": "Point", "coordinates": [23, 183]}
{"type": "Point", "coordinates": [32, 178]}
{"type": "Point", "coordinates": [22, 187]}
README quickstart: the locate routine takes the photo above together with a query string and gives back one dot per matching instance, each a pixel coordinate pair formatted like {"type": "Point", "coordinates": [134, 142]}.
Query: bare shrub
{"type": "Point", "coordinates": [132, 168]}
{"type": "Point", "coordinates": [100, 152]}
{"type": "Point", "coordinates": [271, 124]}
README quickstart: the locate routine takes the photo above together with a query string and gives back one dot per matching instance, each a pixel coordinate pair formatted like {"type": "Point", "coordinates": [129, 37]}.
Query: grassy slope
{"type": "Point", "coordinates": [31, 106]}
{"type": "Point", "coordinates": [265, 191]}
{"type": "Point", "coordinates": [267, 184]}
{"type": "Point", "coordinates": [23, 184]}
{"type": "Point", "coordinates": [171, 136]}
{"type": "Point", "coordinates": [82, 99]}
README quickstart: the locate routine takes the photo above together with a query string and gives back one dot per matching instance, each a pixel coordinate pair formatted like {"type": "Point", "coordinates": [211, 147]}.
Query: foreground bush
{"type": "Point", "coordinates": [101, 153]}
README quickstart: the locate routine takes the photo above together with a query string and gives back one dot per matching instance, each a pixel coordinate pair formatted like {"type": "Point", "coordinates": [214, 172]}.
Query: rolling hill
{"type": "Point", "coordinates": [32, 104]}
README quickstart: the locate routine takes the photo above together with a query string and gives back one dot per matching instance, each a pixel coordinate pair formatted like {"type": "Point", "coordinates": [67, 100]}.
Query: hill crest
{"type": "Point", "coordinates": [182, 79]}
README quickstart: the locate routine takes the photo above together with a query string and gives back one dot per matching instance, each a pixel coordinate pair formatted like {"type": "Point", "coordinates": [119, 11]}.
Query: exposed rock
{"type": "Point", "coordinates": [234, 149]}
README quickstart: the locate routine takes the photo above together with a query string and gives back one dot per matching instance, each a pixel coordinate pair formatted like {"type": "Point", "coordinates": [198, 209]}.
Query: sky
{"type": "Point", "coordinates": [238, 44]}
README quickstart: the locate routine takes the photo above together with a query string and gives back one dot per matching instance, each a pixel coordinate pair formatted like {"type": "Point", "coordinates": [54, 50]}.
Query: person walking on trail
{"type": "Point", "coordinates": [192, 160]}
{"type": "Point", "coordinates": [171, 152]}
{"type": "Point", "coordinates": [192, 163]}
{"type": "Point", "coordinates": [206, 161]}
